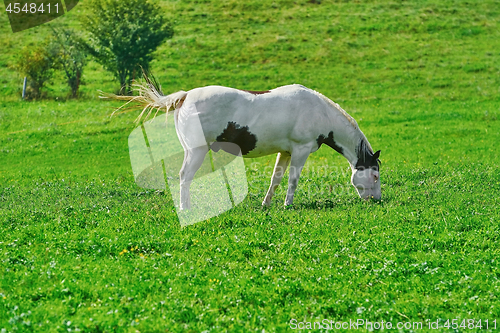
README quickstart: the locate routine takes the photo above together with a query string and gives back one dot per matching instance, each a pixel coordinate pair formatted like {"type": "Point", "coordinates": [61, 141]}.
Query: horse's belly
{"type": "Point", "coordinates": [253, 139]}
{"type": "Point", "coordinates": [252, 146]}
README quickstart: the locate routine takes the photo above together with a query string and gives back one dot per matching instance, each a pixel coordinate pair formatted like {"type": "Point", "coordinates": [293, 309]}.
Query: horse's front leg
{"type": "Point", "coordinates": [299, 157]}
{"type": "Point", "coordinates": [193, 158]}
{"type": "Point", "coordinates": [282, 162]}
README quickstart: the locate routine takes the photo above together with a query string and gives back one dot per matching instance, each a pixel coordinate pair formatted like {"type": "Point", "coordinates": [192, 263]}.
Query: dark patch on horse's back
{"type": "Point", "coordinates": [238, 135]}
{"type": "Point", "coordinates": [257, 92]}
{"type": "Point", "coordinates": [329, 141]}
{"type": "Point", "coordinates": [366, 159]}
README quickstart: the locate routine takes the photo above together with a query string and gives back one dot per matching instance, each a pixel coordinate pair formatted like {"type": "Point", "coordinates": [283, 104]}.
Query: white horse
{"type": "Point", "coordinates": [293, 121]}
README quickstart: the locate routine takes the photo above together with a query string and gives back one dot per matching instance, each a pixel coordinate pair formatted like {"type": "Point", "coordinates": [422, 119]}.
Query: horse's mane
{"type": "Point", "coordinates": [366, 157]}
{"type": "Point", "coordinates": [350, 119]}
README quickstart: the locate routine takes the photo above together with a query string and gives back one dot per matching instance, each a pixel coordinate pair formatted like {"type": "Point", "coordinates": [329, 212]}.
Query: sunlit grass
{"type": "Point", "coordinates": [82, 246]}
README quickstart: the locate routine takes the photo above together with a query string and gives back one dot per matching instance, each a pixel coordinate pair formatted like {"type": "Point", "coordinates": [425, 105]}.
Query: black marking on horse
{"type": "Point", "coordinates": [329, 142]}
{"type": "Point", "coordinates": [367, 159]}
{"type": "Point", "coordinates": [257, 92]}
{"type": "Point", "coordinates": [238, 135]}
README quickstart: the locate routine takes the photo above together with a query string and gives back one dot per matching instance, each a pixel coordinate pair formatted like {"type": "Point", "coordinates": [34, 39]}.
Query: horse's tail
{"type": "Point", "coordinates": [151, 97]}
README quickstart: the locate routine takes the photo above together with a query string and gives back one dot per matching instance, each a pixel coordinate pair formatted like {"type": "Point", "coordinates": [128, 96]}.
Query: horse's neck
{"type": "Point", "coordinates": [350, 145]}
{"type": "Point", "coordinates": [349, 136]}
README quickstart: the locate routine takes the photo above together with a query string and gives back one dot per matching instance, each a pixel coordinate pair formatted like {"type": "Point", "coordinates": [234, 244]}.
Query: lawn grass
{"type": "Point", "coordinates": [82, 247]}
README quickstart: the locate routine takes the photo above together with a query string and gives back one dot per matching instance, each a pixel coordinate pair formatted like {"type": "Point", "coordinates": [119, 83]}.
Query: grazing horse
{"type": "Point", "coordinates": [293, 121]}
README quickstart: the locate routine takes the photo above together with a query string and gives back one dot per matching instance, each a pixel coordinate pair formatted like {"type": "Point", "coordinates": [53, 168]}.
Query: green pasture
{"type": "Point", "coordinates": [83, 248]}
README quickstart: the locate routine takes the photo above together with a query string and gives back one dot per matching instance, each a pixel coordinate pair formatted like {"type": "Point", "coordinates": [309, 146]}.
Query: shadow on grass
{"type": "Point", "coordinates": [338, 203]}
{"type": "Point", "coordinates": [317, 204]}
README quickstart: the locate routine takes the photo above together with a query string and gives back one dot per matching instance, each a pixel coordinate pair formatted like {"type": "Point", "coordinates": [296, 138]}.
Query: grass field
{"type": "Point", "coordinates": [83, 248]}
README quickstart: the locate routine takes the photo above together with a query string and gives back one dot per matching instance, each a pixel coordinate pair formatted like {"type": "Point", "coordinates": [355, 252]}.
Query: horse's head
{"type": "Point", "coordinates": [366, 176]}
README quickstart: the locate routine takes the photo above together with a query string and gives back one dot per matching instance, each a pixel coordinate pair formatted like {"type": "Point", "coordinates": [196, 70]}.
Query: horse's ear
{"type": "Point", "coordinates": [376, 155]}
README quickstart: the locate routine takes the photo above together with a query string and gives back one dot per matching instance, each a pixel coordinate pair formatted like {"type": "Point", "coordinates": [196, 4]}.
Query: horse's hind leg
{"type": "Point", "coordinates": [279, 170]}
{"type": "Point", "coordinates": [193, 158]}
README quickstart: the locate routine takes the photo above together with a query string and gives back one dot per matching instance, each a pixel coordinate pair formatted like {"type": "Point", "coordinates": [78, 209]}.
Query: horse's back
{"type": "Point", "coordinates": [217, 92]}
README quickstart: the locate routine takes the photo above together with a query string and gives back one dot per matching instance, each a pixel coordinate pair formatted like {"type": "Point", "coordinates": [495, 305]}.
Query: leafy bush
{"type": "Point", "coordinates": [71, 57]}
{"type": "Point", "coordinates": [38, 65]}
{"type": "Point", "coordinates": [124, 34]}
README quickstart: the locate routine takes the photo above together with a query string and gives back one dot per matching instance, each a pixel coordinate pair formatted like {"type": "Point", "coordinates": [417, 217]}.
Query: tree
{"type": "Point", "coordinates": [37, 64]}
{"type": "Point", "coordinates": [124, 34]}
{"type": "Point", "coordinates": [71, 57]}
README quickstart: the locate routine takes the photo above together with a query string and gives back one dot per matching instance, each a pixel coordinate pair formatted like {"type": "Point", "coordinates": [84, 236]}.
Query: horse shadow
{"type": "Point", "coordinates": [330, 204]}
